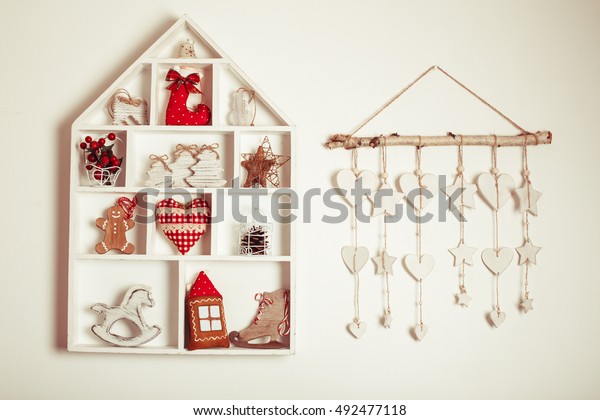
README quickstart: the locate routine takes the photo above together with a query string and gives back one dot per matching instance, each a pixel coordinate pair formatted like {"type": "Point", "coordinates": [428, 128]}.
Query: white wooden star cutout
{"type": "Point", "coordinates": [527, 305]}
{"type": "Point", "coordinates": [528, 252]}
{"type": "Point", "coordinates": [384, 263]}
{"type": "Point", "coordinates": [528, 204]}
{"type": "Point", "coordinates": [463, 299]}
{"type": "Point", "coordinates": [468, 192]}
{"type": "Point", "coordinates": [387, 320]}
{"type": "Point", "coordinates": [463, 253]}
{"type": "Point", "coordinates": [385, 200]}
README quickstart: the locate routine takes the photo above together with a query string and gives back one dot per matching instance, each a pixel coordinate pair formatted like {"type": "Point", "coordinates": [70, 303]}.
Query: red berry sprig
{"type": "Point", "coordinates": [100, 154]}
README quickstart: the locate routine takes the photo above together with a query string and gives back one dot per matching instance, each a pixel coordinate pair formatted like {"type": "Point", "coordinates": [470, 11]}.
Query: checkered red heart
{"type": "Point", "coordinates": [183, 224]}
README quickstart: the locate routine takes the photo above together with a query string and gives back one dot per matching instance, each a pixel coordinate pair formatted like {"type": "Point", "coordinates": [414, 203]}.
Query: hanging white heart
{"type": "Point", "coordinates": [419, 269]}
{"type": "Point", "coordinates": [487, 187]}
{"type": "Point", "coordinates": [420, 331]}
{"type": "Point", "coordinates": [418, 198]}
{"type": "Point", "coordinates": [355, 259]}
{"type": "Point", "coordinates": [357, 329]}
{"type": "Point", "coordinates": [347, 181]}
{"type": "Point", "coordinates": [497, 318]}
{"type": "Point", "coordinates": [497, 262]}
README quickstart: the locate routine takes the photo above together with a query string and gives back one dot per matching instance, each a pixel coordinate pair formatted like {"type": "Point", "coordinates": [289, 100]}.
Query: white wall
{"type": "Point", "coordinates": [328, 65]}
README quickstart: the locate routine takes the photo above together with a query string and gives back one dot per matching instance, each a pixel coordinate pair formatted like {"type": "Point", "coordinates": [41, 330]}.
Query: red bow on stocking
{"type": "Point", "coordinates": [189, 82]}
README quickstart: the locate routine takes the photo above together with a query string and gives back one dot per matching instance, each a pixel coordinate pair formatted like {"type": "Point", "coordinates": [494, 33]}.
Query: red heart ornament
{"type": "Point", "coordinates": [183, 224]}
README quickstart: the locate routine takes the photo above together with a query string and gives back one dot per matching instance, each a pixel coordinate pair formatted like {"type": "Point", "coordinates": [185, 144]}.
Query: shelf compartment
{"type": "Point", "coordinates": [159, 246]}
{"type": "Point", "coordinates": [90, 206]}
{"type": "Point", "coordinates": [238, 283]}
{"type": "Point", "coordinates": [281, 144]}
{"type": "Point", "coordinates": [137, 83]}
{"type": "Point", "coordinates": [168, 47]}
{"type": "Point", "coordinates": [162, 94]}
{"type": "Point", "coordinates": [228, 82]}
{"type": "Point", "coordinates": [95, 282]}
{"type": "Point", "coordinates": [79, 161]}
{"type": "Point", "coordinates": [228, 241]}
{"type": "Point", "coordinates": [144, 144]}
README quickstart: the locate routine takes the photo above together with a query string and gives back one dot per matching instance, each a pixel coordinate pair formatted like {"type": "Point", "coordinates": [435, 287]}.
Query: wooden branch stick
{"type": "Point", "coordinates": [348, 142]}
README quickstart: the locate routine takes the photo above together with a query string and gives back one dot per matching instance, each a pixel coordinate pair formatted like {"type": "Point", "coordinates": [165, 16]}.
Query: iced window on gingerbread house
{"type": "Point", "coordinates": [210, 318]}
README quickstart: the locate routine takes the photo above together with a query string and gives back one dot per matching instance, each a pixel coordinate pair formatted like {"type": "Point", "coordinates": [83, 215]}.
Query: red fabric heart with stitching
{"type": "Point", "coordinates": [183, 224]}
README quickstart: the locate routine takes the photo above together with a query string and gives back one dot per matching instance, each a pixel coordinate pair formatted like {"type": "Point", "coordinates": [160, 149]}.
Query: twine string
{"type": "Point", "coordinates": [384, 175]}
{"type": "Point", "coordinates": [460, 172]}
{"type": "Point", "coordinates": [209, 147]}
{"type": "Point", "coordinates": [192, 149]}
{"type": "Point", "coordinates": [462, 85]}
{"type": "Point", "coordinates": [162, 159]}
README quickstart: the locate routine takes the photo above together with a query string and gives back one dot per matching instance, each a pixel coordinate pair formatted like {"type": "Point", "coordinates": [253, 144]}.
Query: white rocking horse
{"type": "Point", "coordinates": [130, 309]}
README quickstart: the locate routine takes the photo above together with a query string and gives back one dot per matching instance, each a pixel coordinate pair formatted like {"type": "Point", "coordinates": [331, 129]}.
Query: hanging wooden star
{"type": "Point", "coordinates": [527, 305]}
{"type": "Point", "coordinates": [264, 164]}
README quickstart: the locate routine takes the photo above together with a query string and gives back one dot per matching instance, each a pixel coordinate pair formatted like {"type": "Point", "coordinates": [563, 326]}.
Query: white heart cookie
{"type": "Point", "coordinates": [497, 263]}
{"type": "Point", "coordinates": [355, 259]}
{"type": "Point", "coordinates": [419, 269]}
{"type": "Point", "coordinates": [420, 331]}
{"type": "Point", "coordinates": [347, 181]}
{"type": "Point", "coordinates": [487, 187]}
{"type": "Point", "coordinates": [409, 184]}
{"type": "Point", "coordinates": [497, 318]}
{"type": "Point", "coordinates": [357, 330]}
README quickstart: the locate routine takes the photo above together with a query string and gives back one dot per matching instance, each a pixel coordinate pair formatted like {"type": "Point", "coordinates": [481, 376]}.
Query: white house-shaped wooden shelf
{"type": "Point", "coordinates": [156, 262]}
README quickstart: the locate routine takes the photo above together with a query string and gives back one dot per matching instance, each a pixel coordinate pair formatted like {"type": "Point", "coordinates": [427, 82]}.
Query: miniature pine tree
{"type": "Point", "coordinates": [184, 160]}
{"type": "Point", "coordinates": [159, 175]}
{"type": "Point", "coordinates": [208, 171]}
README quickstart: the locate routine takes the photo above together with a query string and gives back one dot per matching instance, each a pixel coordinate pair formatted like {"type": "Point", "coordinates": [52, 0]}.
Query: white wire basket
{"type": "Point", "coordinates": [102, 177]}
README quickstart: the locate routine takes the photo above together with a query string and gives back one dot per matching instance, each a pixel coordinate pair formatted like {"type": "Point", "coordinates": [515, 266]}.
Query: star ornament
{"type": "Point", "coordinates": [385, 201]}
{"type": "Point", "coordinates": [527, 305]}
{"type": "Point", "coordinates": [528, 252]}
{"type": "Point", "coordinates": [263, 166]}
{"type": "Point", "coordinates": [463, 253]}
{"type": "Point", "coordinates": [528, 200]}
{"type": "Point", "coordinates": [464, 189]}
{"type": "Point", "coordinates": [463, 299]}
{"type": "Point", "coordinates": [384, 263]}
{"type": "Point", "coordinates": [387, 320]}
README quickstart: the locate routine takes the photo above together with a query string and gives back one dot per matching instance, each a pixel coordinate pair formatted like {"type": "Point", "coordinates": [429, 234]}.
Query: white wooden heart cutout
{"type": "Point", "coordinates": [497, 262]}
{"type": "Point", "coordinates": [497, 318]}
{"type": "Point", "coordinates": [357, 329]}
{"type": "Point", "coordinates": [419, 269]}
{"type": "Point", "coordinates": [487, 187]}
{"type": "Point", "coordinates": [409, 185]}
{"type": "Point", "coordinates": [355, 259]}
{"type": "Point", "coordinates": [347, 181]}
{"type": "Point", "coordinates": [420, 331]}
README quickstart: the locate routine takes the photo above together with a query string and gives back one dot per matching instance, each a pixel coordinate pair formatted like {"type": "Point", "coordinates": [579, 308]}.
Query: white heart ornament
{"type": "Point", "coordinates": [487, 187]}
{"type": "Point", "coordinates": [409, 184]}
{"type": "Point", "coordinates": [420, 332]}
{"type": "Point", "coordinates": [419, 269]}
{"type": "Point", "coordinates": [497, 318]}
{"type": "Point", "coordinates": [347, 180]}
{"type": "Point", "coordinates": [355, 259]}
{"type": "Point", "coordinates": [497, 263]}
{"type": "Point", "coordinates": [357, 329]}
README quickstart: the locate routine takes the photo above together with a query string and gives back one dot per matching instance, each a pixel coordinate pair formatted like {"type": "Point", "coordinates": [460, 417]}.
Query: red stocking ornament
{"type": "Point", "coordinates": [177, 111]}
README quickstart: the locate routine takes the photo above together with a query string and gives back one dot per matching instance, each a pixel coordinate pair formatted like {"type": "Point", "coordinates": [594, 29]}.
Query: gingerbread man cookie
{"type": "Point", "coordinates": [115, 226]}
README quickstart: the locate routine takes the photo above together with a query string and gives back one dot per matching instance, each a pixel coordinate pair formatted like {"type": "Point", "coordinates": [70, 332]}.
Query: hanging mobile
{"type": "Point", "coordinates": [419, 190]}
{"type": "Point", "coordinates": [528, 198]}
{"type": "Point", "coordinates": [355, 257]}
{"type": "Point", "coordinates": [463, 254]}
{"type": "Point", "coordinates": [496, 189]}
{"type": "Point", "coordinates": [384, 203]}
